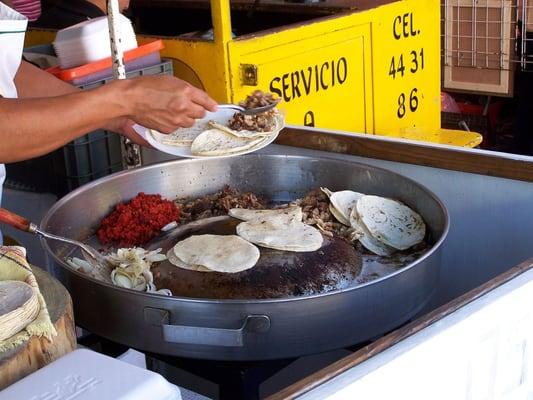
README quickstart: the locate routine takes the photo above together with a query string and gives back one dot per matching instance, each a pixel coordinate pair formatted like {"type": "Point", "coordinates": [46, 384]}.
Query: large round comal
{"type": "Point", "coordinates": [257, 329]}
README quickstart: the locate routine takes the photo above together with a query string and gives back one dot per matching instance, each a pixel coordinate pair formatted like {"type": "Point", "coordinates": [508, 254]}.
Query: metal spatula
{"type": "Point", "coordinates": [93, 256]}
{"type": "Point", "coordinates": [250, 111]}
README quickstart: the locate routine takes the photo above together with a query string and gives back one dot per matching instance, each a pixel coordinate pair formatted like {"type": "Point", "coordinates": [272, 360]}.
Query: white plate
{"type": "Point", "coordinates": [222, 116]}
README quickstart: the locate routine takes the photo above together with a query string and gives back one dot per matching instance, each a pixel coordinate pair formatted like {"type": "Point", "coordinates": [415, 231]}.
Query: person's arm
{"type": "Point", "coordinates": [37, 123]}
{"type": "Point", "coordinates": [32, 81]}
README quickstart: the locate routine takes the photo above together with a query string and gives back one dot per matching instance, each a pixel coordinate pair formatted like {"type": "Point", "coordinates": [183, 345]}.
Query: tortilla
{"type": "Point", "coordinates": [181, 136]}
{"type": "Point", "coordinates": [298, 237]}
{"type": "Point", "coordinates": [260, 143]}
{"type": "Point", "coordinates": [221, 253]}
{"type": "Point", "coordinates": [366, 239]}
{"type": "Point", "coordinates": [214, 142]}
{"type": "Point", "coordinates": [282, 215]}
{"type": "Point", "coordinates": [342, 203]}
{"type": "Point", "coordinates": [355, 223]}
{"type": "Point", "coordinates": [175, 260]}
{"type": "Point", "coordinates": [391, 222]}
{"type": "Point", "coordinates": [337, 214]}
{"type": "Point", "coordinates": [19, 306]}
{"type": "Point", "coordinates": [240, 134]}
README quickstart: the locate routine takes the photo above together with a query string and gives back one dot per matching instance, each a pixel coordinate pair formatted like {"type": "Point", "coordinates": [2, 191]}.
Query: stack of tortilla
{"type": "Point", "coordinates": [209, 138]}
{"type": "Point", "coordinates": [181, 136]}
{"type": "Point", "coordinates": [19, 306]}
{"type": "Point", "coordinates": [383, 225]}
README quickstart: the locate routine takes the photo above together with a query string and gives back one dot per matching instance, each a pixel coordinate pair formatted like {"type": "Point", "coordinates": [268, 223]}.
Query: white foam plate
{"type": "Point", "coordinates": [87, 375]}
{"type": "Point", "coordinates": [222, 116]}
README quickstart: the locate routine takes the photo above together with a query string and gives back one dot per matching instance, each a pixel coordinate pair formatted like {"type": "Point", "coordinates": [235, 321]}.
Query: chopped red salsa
{"type": "Point", "coordinates": [136, 222]}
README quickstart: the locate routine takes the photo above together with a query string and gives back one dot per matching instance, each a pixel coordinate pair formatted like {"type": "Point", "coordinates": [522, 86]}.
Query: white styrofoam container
{"type": "Point", "coordinates": [87, 375]}
{"type": "Point", "coordinates": [87, 29]}
{"type": "Point", "coordinates": [88, 41]}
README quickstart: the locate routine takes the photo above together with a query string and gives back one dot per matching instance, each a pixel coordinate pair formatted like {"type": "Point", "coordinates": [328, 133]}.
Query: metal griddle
{"type": "Point", "coordinates": [208, 327]}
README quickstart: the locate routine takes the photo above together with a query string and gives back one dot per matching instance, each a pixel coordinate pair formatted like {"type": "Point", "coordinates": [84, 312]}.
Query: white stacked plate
{"type": "Point", "coordinates": [88, 41]}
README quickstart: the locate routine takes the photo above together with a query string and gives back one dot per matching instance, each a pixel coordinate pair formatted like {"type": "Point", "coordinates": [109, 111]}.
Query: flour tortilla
{"type": "Point", "coordinates": [285, 215]}
{"type": "Point", "coordinates": [337, 214]}
{"type": "Point", "coordinates": [298, 237]}
{"type": "Point", "coordinates": [366, 239]}
{"type": "Point", "coordinates": [355, 223]}
{"type": "Point", "coordinates": [261, 142]}
{"type": "Point", "coordinates": [391, 222]}
{"type": "Point", "coordinates": [342, 203]}
{"type": "Point", "coordinates": [214, 142]}
{"type": "Point", "coordinates": [181, 136]}
{"type": "Point", "coordinates": [221, 253]}
{"type": "Point", "coordinates": [240, 134]}
{"type": "Point", "coordinates": [175, 260]}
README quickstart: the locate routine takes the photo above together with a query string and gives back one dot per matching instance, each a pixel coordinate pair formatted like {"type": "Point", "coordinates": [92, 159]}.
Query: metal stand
{"type": "Point", "coordinates": [131, 154]}
{"type": "Point", "coordinates": [236, 380]}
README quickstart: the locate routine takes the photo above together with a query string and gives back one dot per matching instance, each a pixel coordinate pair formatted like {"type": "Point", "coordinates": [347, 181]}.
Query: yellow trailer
{"type": "Point", "coordinates": [371, 69]}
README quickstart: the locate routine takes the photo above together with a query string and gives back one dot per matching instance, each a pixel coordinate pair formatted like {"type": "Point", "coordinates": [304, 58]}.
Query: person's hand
{"type": "Point", "coordinates": [165, 103]}
{"type": "Point", "coordinates": [129, 132]}
{"type": "Point", "coordinates": [124, 126]}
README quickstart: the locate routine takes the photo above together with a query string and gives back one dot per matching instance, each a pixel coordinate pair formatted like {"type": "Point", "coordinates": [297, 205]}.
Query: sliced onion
{"type": "Point", "coordinates": [169, 226]}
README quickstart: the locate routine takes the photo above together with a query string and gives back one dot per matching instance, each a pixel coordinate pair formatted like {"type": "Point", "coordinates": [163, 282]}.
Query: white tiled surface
{"type": "Point", "coordinates": [484, 351]}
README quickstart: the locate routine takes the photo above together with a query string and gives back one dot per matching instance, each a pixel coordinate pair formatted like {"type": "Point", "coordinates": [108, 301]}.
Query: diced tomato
{"type": "Point", "coordinates": [137, 221]}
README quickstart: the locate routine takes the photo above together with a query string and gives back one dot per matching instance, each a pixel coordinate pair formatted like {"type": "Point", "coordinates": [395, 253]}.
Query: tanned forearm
{"type": "Point", "coordinates": [34, 82]}
{"type": "Point", "coordinates": [36, 126]}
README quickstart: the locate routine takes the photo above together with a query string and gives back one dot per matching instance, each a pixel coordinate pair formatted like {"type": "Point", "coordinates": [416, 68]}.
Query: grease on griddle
{"type": "Point", "coordinates": [277, 274]}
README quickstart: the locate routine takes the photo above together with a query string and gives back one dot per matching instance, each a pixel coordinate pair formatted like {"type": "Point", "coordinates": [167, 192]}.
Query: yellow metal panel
{"type": "Point", "coordinates": [392, 54]}
{"type": "Point", "coordinates": [221, 18]}
{"type": "Point", "coordinates": [203, 63]}
{"type": "Point", "coordinates": [36, 37]}
{"type": "Point", "coordinates": [449, 137]}
{"type": "Point", "coordinates": [196, 61]}
{"type": "Point", "coordinates": [406, 54]}
{"type": "Point", "coordinates": [323, 79]}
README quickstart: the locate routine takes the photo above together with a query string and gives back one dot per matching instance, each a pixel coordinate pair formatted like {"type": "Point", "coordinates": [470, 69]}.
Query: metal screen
{"type": "Point", "coordinates": [525, 16]}
{"type": "Point", "coordinates": [486, 35]}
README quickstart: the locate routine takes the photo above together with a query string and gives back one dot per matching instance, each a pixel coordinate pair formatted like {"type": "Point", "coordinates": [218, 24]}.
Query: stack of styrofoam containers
{"type": "Point", "coordinates": [88, 41]}
{"type": "Point", "coordinates": [87, 375]}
